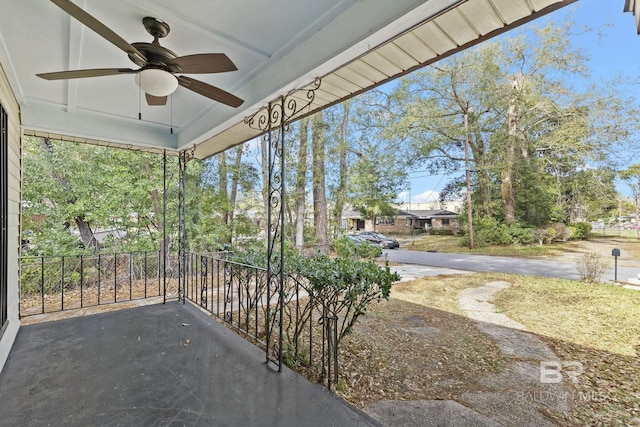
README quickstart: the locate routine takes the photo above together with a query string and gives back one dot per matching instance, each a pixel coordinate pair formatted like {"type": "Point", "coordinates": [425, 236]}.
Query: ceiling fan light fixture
{"type": "Point", "coordinates": [156, 82]}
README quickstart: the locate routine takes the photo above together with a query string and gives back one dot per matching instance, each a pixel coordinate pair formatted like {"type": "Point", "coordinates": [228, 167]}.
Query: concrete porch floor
{"type": "Point", "coordinates": [157, 365]}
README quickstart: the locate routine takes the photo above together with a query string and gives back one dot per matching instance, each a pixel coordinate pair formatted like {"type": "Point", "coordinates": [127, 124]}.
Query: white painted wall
{"type": "Point", "coordinates": [8, 101]}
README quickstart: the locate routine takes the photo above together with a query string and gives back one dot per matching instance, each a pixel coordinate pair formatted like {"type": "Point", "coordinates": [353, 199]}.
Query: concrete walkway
{"type": "Point", "coordinates": [513, 397]}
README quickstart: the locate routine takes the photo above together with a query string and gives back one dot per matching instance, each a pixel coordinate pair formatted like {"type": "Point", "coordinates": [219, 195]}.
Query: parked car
{"type": "Point", "coordinates": [379, 239]}
{"type": "Point", "coordinates": [355, 239]}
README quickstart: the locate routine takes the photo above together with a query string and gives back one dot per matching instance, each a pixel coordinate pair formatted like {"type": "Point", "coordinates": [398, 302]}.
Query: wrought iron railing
{"type": "Point", "coordinates": [59, 283]}
{"type": "Point", "coordinates": [238, 295]}
{"type": "Point", "coordinates": [287, 321]}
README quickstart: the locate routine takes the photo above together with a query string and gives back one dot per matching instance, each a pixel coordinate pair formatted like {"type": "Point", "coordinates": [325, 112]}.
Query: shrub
{"type": "Point", "coordinates": [581, 230]}
{"type": "Point", "coordinates": [488, 231]}
{"type": "Point", "coordinates": [540, 235]}
{"type": "Point", "coordinates": [562, 233]}
{"type": "Point", "coordinates": [368, 250]}
{"type": "Point", "coordinates": [550, 234]}
{"type": "Point", "coordinates": [521, 234]}
{"type": "Point", "coordinates": [591, 267]}
{"type": "Point", "coordinates": [345, 248]}
{"type": "Point", "coordinates": [344, 287]}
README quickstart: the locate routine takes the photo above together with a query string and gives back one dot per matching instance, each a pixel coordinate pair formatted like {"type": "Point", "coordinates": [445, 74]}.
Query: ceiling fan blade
{"type": "Point", "coordinates": [98, 27]}
{"type": "Point", "coordinates": [79, 74]}
{"type": "Point", "coordinates": [205, 63]}
{"type": "Point", "coordinates": [155, 100]}
{"type": "Point", "coordinates": [209, 91]}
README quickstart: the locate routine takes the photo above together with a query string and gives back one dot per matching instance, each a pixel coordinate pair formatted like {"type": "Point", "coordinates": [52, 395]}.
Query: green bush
{"type": "Point", "coordinates": [464, 241]}
{"type": "Point", "coordinates": [551, 234]}
{"type": "Point", "coordinates": [488, 231]}
{"type": "Point", "coordinates": [344, 287]}
{"type": "Point", "coordinates": [521, 234]}
{"type": "Point", "coordinates": [368, 250]}
{"type": "Point", "coordinates": [581, 230]}
{"type": "Point", "coordinates": [345, 248]}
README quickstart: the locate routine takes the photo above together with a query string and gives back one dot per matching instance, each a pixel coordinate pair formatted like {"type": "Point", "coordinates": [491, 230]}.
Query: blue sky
{"type": "Point", "coordinates": [613, 48]}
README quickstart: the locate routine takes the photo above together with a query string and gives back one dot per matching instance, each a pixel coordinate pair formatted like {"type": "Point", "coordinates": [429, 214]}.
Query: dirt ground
{"type": "Point", "coordinates": [402, 351]}
{"type": "Point", "coordinates": [603, 246]}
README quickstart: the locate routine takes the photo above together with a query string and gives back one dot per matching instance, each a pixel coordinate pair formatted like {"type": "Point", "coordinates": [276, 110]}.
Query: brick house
{"type": "Point", "coordinates": [404, 222]}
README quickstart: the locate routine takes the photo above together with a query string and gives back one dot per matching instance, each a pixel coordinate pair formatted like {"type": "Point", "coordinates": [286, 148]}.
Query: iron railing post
{"type": "Point", "coordinates": [99, 277]}
{"type": "Point", "coordinates": [164, 229]}
{"type": "Point", "coordinates": [42, 281]}
{"type": "Point", "coordinates": [81, 280]}
{"type": "Point", "coordinates": [62, 284]}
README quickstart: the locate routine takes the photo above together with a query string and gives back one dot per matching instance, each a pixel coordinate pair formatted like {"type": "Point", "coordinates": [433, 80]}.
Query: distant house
{"type": "Point", "coordinates": [430, 219]}
{"type": "Point", "coordinates": [101, 236]}
{"type": "Point", "coordinates": [404, 222]}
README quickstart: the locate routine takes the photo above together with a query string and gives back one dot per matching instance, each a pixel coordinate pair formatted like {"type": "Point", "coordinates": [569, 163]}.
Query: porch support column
{"type": "Point", "coordinates": [164, 226]}
{"type": "Point", "coordinates": [273, 120]}
{"type": "Point", "coordinates": [183, 159]}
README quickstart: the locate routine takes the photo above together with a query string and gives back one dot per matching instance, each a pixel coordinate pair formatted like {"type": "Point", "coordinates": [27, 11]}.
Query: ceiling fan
{"type": "Point", "coordinates": [158, 65]}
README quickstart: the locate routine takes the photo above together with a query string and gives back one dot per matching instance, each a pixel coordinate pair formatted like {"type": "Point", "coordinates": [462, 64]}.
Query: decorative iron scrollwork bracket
{"type": "Point", "coordinates": [272, 120]}
{"type": "Point", "coordinates": [285, 109]}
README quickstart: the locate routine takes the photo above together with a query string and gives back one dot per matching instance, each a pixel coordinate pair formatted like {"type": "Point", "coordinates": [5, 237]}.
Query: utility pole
{"type": "Point", "coordinates": [468, 174]}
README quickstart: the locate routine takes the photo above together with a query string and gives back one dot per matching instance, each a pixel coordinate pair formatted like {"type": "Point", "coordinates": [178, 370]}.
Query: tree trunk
{"type": "Point", "coordinates": [507, 186]}
{"type": "Point", "coordinates": [301, 181]}
{"type": "Point", "coordinates": [264, 154]}
{"type": "Point", "coordinates": [157, 203]}
{"type": "Point", "coordinates": [319, 188]}
{"type": "Point", "coordinates": [341, 191]}
{"type": "Point", "coordinates": [234, 183]}
{"type": "Point", "coordinates": [483, 177]}
{"type": "Point", "coordinates": [88, 239]}
{"type": "Point", "coordinates": [223, 185]}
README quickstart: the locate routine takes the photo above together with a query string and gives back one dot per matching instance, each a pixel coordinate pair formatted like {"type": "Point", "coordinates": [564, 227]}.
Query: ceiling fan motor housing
{"type": "Point", "coordinates": [157, 57]}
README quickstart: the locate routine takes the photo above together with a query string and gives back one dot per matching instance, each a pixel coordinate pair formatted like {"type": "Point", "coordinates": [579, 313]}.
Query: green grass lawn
{"type": "Point", "coordinates": [449, 244]}
{"type": "Point", "coordinates": [596, 325]}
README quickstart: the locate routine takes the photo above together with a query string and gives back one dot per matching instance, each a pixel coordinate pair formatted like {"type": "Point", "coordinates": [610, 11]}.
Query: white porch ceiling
{"type": "Point", "coordinates": [277, 45]}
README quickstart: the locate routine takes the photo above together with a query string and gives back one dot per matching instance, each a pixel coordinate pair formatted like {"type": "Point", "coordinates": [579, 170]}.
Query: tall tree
{"type": "Point", "coordinates": [525, 117]}
{"type": "Point", "coordinates": [73, 201]}
{"type": "Point", "coordinates": [320, 216]}
{"type": "Point", "coordinates": [301, 181]}
{"type": "Point", "coordinates": [375, 181]}
{"type": "Point", "coordinates": [223, 186]}
{"type": "Point", "coordinates": [235, 182]}
{"type": "Point", "coordinates": [631, 176]}
{"type": "Point", "coordinates": [343, 148]}
{"type": "Point", "coordinates": [71, 188]}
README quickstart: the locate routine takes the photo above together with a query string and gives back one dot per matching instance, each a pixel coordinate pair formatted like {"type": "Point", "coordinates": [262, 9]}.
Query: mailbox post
{"type": "Point", "coordinates": [615, 252]}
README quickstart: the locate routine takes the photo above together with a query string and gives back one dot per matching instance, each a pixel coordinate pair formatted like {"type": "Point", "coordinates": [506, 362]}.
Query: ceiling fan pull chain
{"type": "Point", "coordinates": [139, 103]}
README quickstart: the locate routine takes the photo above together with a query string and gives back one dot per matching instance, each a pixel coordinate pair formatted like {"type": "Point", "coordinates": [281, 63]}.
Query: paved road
{"type": "Point", "coordinates": [484, 263]}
